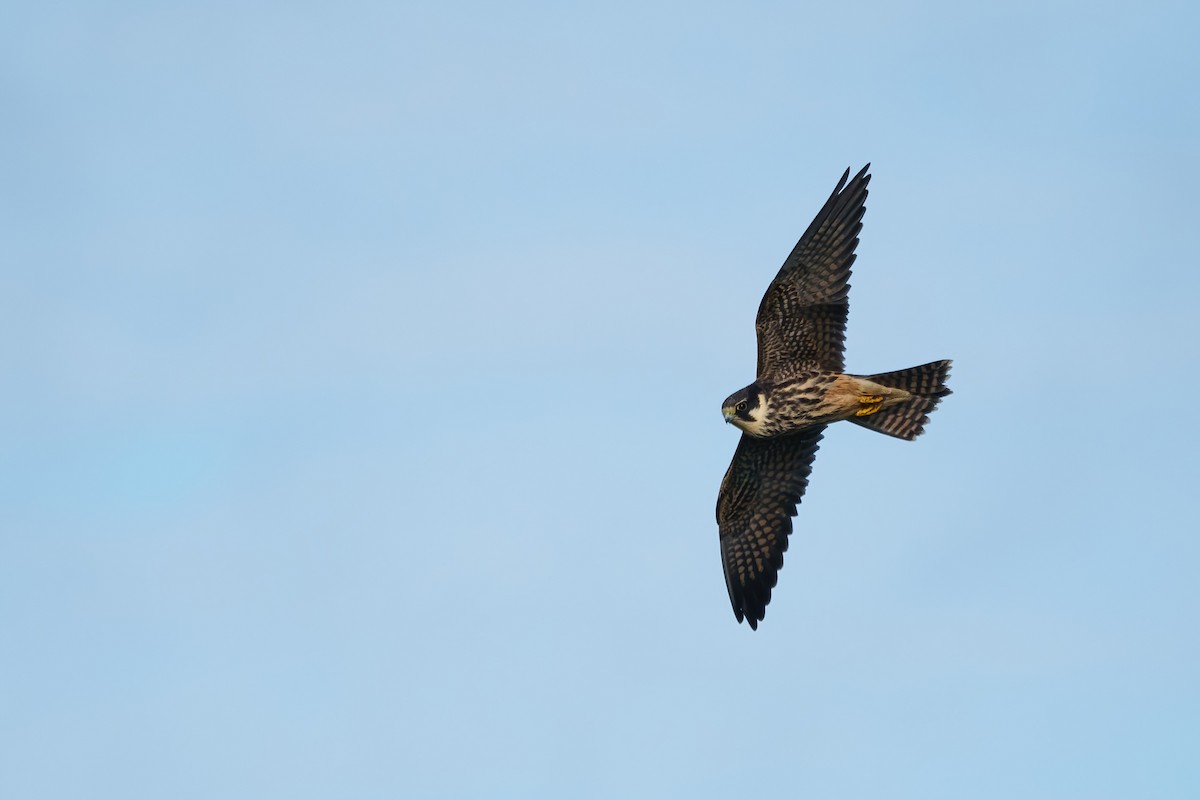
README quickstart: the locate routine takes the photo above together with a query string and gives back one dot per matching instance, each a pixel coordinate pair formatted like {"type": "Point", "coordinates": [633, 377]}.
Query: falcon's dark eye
{"type": "Point", "coordinates": [741, 406]}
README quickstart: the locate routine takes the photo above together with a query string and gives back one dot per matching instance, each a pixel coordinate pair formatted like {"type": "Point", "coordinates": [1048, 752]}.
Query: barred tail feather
{"type": "Point", "coordinates": [927, 384]}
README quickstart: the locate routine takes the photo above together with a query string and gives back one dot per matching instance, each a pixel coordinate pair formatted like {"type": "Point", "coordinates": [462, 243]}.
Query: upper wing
{"type": "Point", "coordinates": [758, 498]}
{"type": "Point", "coordinates": [801, 320]}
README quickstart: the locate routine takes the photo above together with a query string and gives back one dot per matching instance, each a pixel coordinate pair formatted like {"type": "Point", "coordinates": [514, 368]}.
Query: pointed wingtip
{"type": "Point", "coordinates": [841, 184]}
{"type": "Point", "coordinates": [861, 176]}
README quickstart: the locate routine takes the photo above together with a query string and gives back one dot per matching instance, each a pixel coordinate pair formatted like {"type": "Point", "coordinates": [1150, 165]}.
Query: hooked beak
{"type": "Point", "coordinates": [728, 412]}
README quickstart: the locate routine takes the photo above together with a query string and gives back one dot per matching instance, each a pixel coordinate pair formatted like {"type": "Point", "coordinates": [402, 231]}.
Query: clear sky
{"type": "Point", "coordinates": [362, 364]}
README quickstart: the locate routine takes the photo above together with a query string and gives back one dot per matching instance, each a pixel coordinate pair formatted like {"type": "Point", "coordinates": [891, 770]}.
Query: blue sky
{"type": "Point", "coordinates": [362, 381]}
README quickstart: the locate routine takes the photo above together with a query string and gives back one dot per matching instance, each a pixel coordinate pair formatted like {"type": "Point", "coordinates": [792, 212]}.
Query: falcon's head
{"type": "Point", "coordinates": [747, 409]}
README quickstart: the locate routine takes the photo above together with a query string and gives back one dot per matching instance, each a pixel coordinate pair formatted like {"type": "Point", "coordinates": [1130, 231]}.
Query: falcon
{"type": "Point", "coordinates": [800, 389]}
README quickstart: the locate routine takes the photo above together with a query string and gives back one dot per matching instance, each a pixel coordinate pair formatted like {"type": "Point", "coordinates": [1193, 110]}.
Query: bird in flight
{"type": "Point", "coordinates": [800, 388]}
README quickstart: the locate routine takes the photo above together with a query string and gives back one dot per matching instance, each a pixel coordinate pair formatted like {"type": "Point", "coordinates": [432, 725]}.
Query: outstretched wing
{"type": "Point", "coordinates": [801, 320]}
{"type": "Point", "coordinates": [758, 498]}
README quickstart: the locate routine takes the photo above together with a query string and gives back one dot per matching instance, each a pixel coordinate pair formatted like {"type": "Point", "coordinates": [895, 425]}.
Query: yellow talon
{"type": "Point", "coordinates": [871, 403]}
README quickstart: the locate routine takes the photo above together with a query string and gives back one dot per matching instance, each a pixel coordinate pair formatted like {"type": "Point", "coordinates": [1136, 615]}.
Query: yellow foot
{"type": "Point", "coordinates": [871, 403]}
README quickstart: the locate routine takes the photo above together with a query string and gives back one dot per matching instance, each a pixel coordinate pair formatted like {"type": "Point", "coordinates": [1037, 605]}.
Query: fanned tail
{"type": "Point", "coordinates": [927, 384]}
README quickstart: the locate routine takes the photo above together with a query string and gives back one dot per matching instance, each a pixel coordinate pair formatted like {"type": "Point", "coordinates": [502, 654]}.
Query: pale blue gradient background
{"type": "Point", "coordinates": [362, 363]}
